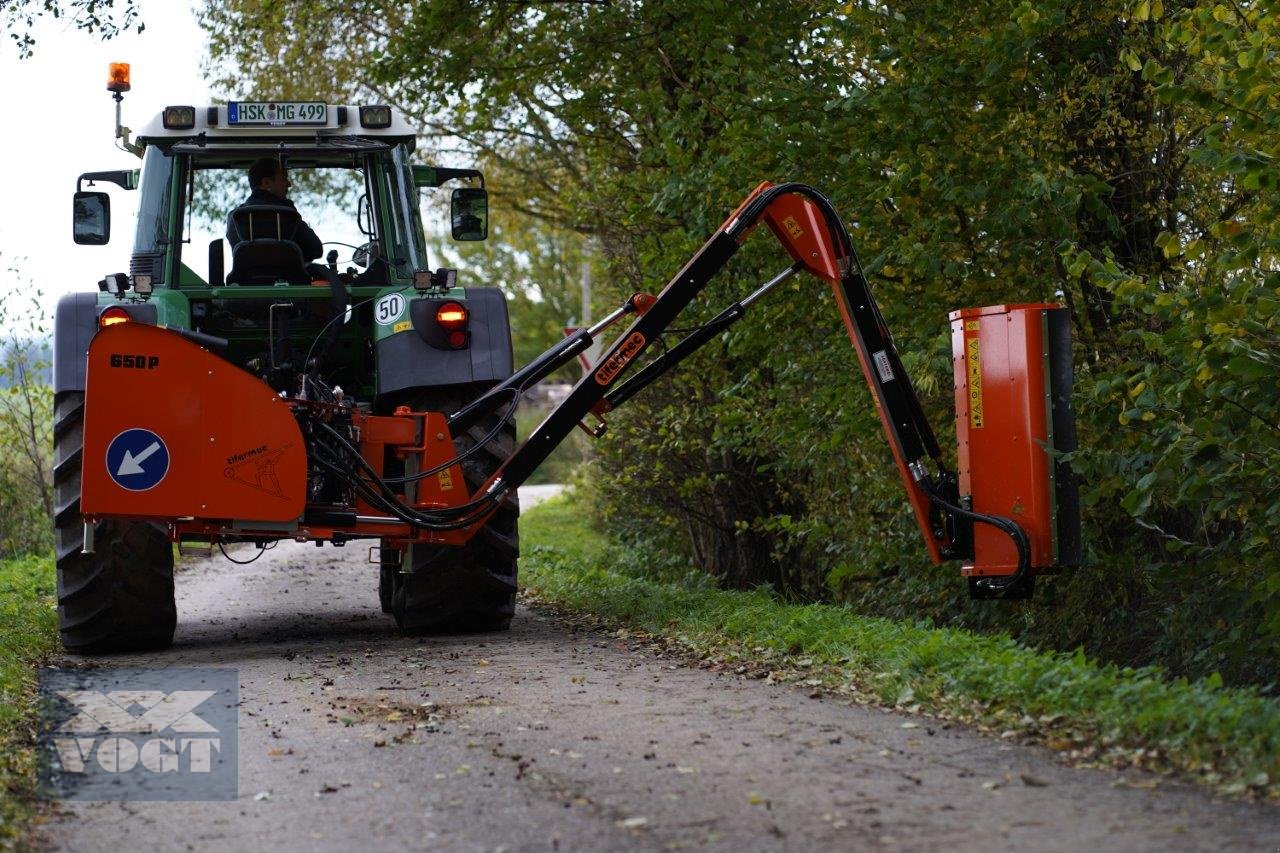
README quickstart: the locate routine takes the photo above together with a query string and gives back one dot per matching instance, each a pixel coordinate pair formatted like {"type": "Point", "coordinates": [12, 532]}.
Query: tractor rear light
{"type": "Point", "coordinates": [442, 323]}
{"type": "Point", "coordinates": [113, 315]}
{"type": "Point", "coordinates": [375, 117]}
{"type": "Point", "coordinates": [452, 317]}
{"type": "Point", "coordinates": [179, 118]}
{"type": "Point", "coordinates": [118, 77]}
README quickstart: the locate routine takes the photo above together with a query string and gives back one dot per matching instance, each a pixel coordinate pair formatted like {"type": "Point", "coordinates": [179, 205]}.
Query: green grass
{"type": "Point", "coordinates": [1226, 737]}
{"type": "Point", "coordinates": [28, 633]}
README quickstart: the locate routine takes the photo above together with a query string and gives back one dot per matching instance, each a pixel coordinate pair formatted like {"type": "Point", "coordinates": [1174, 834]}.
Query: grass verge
{"type": "Point", "coordinates": [1228, 738]}
{"type": "Point", "coordinates": [28, 633]}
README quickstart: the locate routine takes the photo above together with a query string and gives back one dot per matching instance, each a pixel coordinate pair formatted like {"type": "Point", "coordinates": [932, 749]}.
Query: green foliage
{"type": "Point", "coordinates": [29, 626]}
{"type": "Point", "coordinates": [1118, 157]}
{"type": "Point", "coordinates": [26, 429]}
{"type": "Point", "coordinates": [96, 17]}
{"type": "Point", "coordinates": [1224, 736]}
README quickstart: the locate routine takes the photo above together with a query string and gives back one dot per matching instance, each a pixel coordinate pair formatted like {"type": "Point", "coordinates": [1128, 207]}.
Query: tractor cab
{"type": "Point", "coordinates": [207, 256]}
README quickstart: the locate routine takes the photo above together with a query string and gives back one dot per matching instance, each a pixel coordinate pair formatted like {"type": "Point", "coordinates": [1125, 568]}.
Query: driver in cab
{"type": "Point", "coordinates": [269, 183]}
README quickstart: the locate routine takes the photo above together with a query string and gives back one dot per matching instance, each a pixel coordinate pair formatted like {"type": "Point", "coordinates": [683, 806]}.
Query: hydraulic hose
{"type": "Point", "coordinates": [1007, 525]}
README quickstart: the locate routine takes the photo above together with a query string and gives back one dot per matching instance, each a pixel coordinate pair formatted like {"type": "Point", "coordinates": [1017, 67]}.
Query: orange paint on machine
{"type": "Point", "coordinates": [1011, 365]}
{"type": "Point", "coordinates": [172, 431]}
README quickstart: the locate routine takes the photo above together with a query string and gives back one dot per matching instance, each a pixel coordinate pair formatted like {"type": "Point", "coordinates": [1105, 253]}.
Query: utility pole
{"type": "Point", "coordinates": [593, 351]}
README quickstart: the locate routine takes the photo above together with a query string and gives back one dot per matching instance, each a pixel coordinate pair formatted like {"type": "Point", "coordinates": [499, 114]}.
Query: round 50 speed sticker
{"type": "Point", "coordinates": [388, 309]}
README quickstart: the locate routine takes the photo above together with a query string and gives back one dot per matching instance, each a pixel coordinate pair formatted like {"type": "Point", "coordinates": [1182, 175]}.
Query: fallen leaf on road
{"type": "Point", "coordinates": [910, 725]}
{"type": "Point", "coordinates": [754, 799]}
{"type": "Point", "coordinates": [633, 822]}
{"type": "Point", "coordinates": [1143, 784]}
{"type": "Point", "coordinates": [482, 662]}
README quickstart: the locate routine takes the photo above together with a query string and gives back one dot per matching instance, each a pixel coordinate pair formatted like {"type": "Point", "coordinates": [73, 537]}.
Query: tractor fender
{"type": "Point", "coordinates": [75, 322]}
{"type": "Point", "coordinates": [406, 360]}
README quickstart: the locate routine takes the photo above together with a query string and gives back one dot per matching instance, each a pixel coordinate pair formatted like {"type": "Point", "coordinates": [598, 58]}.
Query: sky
{"type": "Point", "coordinates": [60, 122]}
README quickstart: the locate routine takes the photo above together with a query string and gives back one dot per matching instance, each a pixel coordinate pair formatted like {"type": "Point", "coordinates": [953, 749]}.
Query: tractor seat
{"type": "Point", "coordinates": [263, 249]}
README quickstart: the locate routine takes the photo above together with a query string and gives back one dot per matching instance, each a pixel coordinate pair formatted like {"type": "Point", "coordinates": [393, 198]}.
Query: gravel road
{"type": "Point", "coordinates": [551, 738]}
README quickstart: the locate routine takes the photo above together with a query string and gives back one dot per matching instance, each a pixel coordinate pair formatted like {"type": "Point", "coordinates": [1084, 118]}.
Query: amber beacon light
{"type": "Point", "coordinates": [118, 77]}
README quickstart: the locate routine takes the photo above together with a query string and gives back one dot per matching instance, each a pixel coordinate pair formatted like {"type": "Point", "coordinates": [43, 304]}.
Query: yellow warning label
{"type": "Point", "coordinates": [446, 481]}
{"type": "Point", "coordinates": [972, 325]}
{"type": "Point", "coordinates": [402, 326]}
{"type": "Point", "coordinates": [793, 227]}
{"type": "Point", "coordinates": [973, 363]}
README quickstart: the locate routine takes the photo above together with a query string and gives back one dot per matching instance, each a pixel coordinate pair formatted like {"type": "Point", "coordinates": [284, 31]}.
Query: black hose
{"type": "Point", "coordinates": [1007, 525]}
{"type": "Point", "coordinates": [448, 518]}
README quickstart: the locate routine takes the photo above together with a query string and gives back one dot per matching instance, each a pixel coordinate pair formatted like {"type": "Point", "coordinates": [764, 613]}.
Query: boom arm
{"type": "Point", "coordinates": [807, 225]}
{"type": "Point", "coordinates": [315, 462]}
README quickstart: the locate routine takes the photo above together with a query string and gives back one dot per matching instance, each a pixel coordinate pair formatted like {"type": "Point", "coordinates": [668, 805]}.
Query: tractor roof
{"type": "Point", "coordinates": [268, 121]}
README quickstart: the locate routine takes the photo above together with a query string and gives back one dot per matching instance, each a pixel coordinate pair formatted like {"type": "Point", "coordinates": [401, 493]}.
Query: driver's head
{"type": "Point", "coordinates": [268, 174]}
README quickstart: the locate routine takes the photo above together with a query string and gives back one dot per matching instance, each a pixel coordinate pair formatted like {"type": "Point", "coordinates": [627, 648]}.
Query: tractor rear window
{"type": "Point", "coordinates": [330, 199]}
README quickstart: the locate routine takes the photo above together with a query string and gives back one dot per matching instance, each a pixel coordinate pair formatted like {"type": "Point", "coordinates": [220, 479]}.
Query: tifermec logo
{"type": "Point", "coordinates": [621, 357]}
{"type": "Point", "coordinates": [139, 734]}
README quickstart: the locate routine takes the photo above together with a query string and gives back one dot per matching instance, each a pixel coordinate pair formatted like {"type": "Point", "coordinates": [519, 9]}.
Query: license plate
{"type": "Point", "coordinates": [277, 113]}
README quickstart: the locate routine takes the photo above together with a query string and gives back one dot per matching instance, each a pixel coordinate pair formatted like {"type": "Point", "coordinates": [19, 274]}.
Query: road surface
{"type": "Point", "coordinates": [550, 738]}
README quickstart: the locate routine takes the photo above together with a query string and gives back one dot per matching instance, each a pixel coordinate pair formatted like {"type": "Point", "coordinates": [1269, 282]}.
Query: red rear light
{"type": "Point", "coordinates": [111, 316]}
{"type": "Point", "coordinates": [452, 317]}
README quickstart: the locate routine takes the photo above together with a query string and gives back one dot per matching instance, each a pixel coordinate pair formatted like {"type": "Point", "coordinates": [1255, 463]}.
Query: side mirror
{"type": "Point", "coordinates": [91, 219]}
{"type": "Point", "coordinates": [469, 213]}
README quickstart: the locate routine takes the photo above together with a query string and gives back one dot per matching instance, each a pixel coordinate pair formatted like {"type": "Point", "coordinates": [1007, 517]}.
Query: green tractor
{"type": "Point", "coordinates": [275, 314]}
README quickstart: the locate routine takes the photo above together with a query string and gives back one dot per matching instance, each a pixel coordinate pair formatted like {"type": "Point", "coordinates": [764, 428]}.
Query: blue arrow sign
{"type": "Point", "coordinates": [137, 460]}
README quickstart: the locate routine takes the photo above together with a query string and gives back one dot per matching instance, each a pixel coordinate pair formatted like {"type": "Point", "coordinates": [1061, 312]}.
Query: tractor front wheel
{"type": "Point", "coordinates": [119, 598]}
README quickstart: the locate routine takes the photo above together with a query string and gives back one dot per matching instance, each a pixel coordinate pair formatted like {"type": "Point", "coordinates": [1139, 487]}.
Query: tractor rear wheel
{"type": "Point", "coordinates": [446, 589]}
{"type": "Point", "coordinates": [119, 598]}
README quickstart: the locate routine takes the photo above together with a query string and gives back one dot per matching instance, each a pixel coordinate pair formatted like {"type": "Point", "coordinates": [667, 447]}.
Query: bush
{"type": "Point", "coordinates": [1117, 157]}
{"type": "Point", "coordinates": [26, 433]}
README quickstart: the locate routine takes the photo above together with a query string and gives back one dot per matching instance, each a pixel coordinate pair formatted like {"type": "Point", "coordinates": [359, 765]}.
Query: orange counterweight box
{"type": "Point", "coordinates": [172, 432]}
{"type": "Point", "coordinates": [1013, 377]}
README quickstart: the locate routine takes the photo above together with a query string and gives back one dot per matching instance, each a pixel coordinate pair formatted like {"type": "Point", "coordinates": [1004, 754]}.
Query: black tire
{"type": "Point", "coordinates": [388, 578]}
{"type": "Point", "coordinates": [473, 588]}
{"type": "Point", "coordinates": [120, 598]}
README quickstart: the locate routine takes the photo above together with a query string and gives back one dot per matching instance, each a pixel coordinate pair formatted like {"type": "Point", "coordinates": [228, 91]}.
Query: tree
{"type": "Point", "coordinates": [1116, 156]}
{"type": "Point", "coordinates": [101, 17]}
{"type": "Point", "coordinates": [26, 428]}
